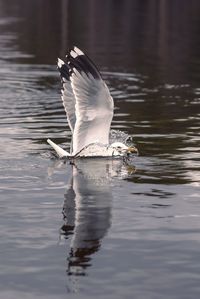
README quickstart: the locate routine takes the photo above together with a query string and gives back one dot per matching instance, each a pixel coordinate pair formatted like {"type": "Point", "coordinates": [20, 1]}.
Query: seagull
{"type": "Point", "coordinates": [89, 109]}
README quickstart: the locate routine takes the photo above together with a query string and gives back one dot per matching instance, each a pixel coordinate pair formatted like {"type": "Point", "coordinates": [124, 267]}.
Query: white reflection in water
{"type": "Point", "coordinates": [87, 208]}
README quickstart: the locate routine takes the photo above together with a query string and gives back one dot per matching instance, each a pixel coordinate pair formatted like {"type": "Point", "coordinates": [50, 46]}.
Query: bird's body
{"type": "Point", "coordinates": [89, 109]}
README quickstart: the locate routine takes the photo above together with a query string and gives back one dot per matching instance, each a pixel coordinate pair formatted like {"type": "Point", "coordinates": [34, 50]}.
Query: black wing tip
{"type": "Point", "coordinates": [76, 59]}
{"type": "Point", "coordinates": [79, 60]}
{"type": "Point", "coordinates": [64, 70]}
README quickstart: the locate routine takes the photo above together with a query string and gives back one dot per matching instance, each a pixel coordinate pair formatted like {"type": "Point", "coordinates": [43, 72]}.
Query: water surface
{"type": "Point", "coordinates": [100, 228]}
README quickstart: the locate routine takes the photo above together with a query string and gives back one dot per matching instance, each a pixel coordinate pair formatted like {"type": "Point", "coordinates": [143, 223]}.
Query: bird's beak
{"type": "Point", "coordinates": [132, 150]}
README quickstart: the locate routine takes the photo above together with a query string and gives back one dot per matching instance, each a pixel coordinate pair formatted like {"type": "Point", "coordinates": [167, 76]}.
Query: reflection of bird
{"type": "Point", "coordinates": [89, 108]}
{"type": "Point", "coordinates": [87, 210]}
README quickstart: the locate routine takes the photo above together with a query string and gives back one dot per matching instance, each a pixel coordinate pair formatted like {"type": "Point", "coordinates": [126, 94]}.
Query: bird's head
{"type": "Point", "coordinates": [124, 149]}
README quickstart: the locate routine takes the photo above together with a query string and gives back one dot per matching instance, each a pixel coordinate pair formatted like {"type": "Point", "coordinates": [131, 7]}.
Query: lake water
{"type": "Point", "coordinates": [101, 228]}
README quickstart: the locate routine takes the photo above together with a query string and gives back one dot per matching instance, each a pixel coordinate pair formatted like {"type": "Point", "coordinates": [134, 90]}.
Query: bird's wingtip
{"type": "Point", "coordinates": [60, 62]}
{"type": "Point", "coordinates": [78, 51]}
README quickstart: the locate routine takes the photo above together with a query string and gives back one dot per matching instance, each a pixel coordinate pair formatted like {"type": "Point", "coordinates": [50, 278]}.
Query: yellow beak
{"type": "Point", "coordinates": [132, 150]}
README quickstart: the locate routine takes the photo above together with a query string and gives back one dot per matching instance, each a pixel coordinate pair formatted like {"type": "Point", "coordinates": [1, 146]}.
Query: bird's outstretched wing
{"type": "Point", "coordinates": [86, 99]}
{"type": "Point", "coordinates": [93, 102]}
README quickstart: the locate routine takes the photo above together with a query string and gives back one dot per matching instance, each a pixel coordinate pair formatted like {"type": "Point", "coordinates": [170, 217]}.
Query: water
{"type": "Point", "coordinates": [96, 228]}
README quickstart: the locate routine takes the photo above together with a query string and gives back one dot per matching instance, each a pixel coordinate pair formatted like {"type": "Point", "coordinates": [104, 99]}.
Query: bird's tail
{"type": "Point", "coordinates": [60, 152]}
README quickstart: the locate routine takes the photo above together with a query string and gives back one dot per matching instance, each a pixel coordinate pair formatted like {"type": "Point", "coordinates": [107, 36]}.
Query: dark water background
{"type": "Point", "coordinates": [101, 229]}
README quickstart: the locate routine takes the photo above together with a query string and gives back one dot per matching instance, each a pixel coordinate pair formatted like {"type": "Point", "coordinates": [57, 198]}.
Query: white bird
{"type": "Point", "coordinates": [89, 109]}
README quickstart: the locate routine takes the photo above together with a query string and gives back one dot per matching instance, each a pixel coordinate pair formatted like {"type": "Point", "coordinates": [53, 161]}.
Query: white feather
{"type": "Point", "coordinates": [78, 51]}
{"type": "Point", "coordinates": [60, 63]}
{"type": "Point", "coordinates": [73, 54]}
{"type": "Point", "coordinates": [61, 152]}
